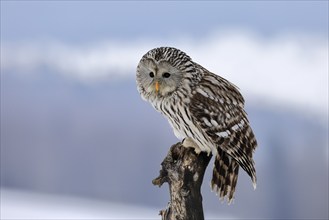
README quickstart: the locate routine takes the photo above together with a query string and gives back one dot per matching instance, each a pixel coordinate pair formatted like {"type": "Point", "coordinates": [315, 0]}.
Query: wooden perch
{"type": "Point", "coordinates": [183, 170]}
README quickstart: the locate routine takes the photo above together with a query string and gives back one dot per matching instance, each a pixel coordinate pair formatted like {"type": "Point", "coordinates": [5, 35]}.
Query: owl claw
{"type": "Point", "coordinates": [189, 142]}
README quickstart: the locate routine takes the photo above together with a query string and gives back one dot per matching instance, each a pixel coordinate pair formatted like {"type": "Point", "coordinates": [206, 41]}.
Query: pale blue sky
{"type": "Point", "coordinates": [81, 21]}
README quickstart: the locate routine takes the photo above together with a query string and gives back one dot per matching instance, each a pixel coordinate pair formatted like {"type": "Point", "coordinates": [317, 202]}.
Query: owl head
{"type": "Point", "coordinates": [162, 71]}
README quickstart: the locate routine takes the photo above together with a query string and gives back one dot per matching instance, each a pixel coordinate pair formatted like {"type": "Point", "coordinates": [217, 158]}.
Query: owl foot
{"type": "Point", "coordinates": [189, 142]}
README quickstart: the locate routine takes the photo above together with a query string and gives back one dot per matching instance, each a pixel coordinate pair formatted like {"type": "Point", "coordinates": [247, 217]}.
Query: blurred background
{"type": "Point", "coordinates": [77, 141]}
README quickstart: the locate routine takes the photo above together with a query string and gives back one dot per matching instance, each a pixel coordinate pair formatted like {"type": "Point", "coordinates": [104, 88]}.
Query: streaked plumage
{"type": "Point", "coordinates": [204, 109]}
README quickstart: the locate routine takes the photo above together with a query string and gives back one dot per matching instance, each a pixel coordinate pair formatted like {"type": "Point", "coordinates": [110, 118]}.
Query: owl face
{"type": "Point", "coordinates": [164, 71]}
{"type": "Point", "coordinates": [158, 78]}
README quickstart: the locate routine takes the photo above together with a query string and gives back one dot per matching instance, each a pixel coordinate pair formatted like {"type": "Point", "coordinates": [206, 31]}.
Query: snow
{"type": "Point", "coordinates": [17, 204]}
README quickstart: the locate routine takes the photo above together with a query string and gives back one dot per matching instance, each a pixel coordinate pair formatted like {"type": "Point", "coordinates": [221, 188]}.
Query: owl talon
{"type": "Point", "coordinates": [189, 142]}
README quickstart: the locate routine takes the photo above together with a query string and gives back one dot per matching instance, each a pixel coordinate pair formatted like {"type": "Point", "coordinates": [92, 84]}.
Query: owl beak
{"type": "Point", "coordinates": [157, 86]}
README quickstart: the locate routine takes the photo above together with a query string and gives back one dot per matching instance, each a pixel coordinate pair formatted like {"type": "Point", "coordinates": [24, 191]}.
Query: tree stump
{"type": "Point", "coordinates": [183, 170]}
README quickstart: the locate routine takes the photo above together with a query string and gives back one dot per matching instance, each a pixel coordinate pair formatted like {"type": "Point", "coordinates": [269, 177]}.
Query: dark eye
{"type": "Point", "coordinates": [166, 75]}
{"type": "Point", "coordinates": [151, 74]}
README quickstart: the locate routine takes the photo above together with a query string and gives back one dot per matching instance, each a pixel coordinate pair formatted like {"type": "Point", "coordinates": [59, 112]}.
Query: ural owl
{"type": "Point", "coordinates": [205, 110]}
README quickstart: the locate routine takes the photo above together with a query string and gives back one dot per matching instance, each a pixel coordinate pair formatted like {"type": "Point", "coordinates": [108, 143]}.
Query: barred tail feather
{"type": "Point", "coordinates": [225, 176]}
{"type": "Point", "coordinates": [240, 146]}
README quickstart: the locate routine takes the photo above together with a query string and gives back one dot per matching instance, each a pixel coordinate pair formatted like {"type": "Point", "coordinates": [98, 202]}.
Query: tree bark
{"type": "Point", "coordinates": [183, 170]}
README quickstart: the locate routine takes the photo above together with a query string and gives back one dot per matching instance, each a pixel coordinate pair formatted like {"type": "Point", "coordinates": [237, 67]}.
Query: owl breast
{"type": "Point", "coordinates": [181, 120]}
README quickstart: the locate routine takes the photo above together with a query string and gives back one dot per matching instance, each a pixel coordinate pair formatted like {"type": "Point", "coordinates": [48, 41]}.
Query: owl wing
{"type": "Point", "coordinates": [217, 109]}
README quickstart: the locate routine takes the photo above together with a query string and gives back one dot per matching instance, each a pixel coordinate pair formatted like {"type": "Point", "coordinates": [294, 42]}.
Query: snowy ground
{"type": "Point", "coordinates": [17, 204]}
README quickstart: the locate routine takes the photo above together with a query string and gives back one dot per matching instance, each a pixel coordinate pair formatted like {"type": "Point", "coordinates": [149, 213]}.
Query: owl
{"type": "Point", "coordinates": [205, 111]}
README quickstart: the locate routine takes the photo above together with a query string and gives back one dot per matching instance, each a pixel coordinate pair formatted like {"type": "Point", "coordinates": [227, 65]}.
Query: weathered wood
{"type": "Point", "coordinates": [183, 170]}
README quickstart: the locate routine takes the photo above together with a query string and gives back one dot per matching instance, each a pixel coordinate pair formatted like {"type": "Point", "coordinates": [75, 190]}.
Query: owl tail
{"type": "Point", "coordinates": [225, 176]}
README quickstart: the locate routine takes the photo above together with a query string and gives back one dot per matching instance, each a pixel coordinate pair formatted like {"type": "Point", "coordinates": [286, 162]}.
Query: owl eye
{"type": "Point", "coordinates": [166, 75]}
{"type": "Point", "coordinates": [151, 74]}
